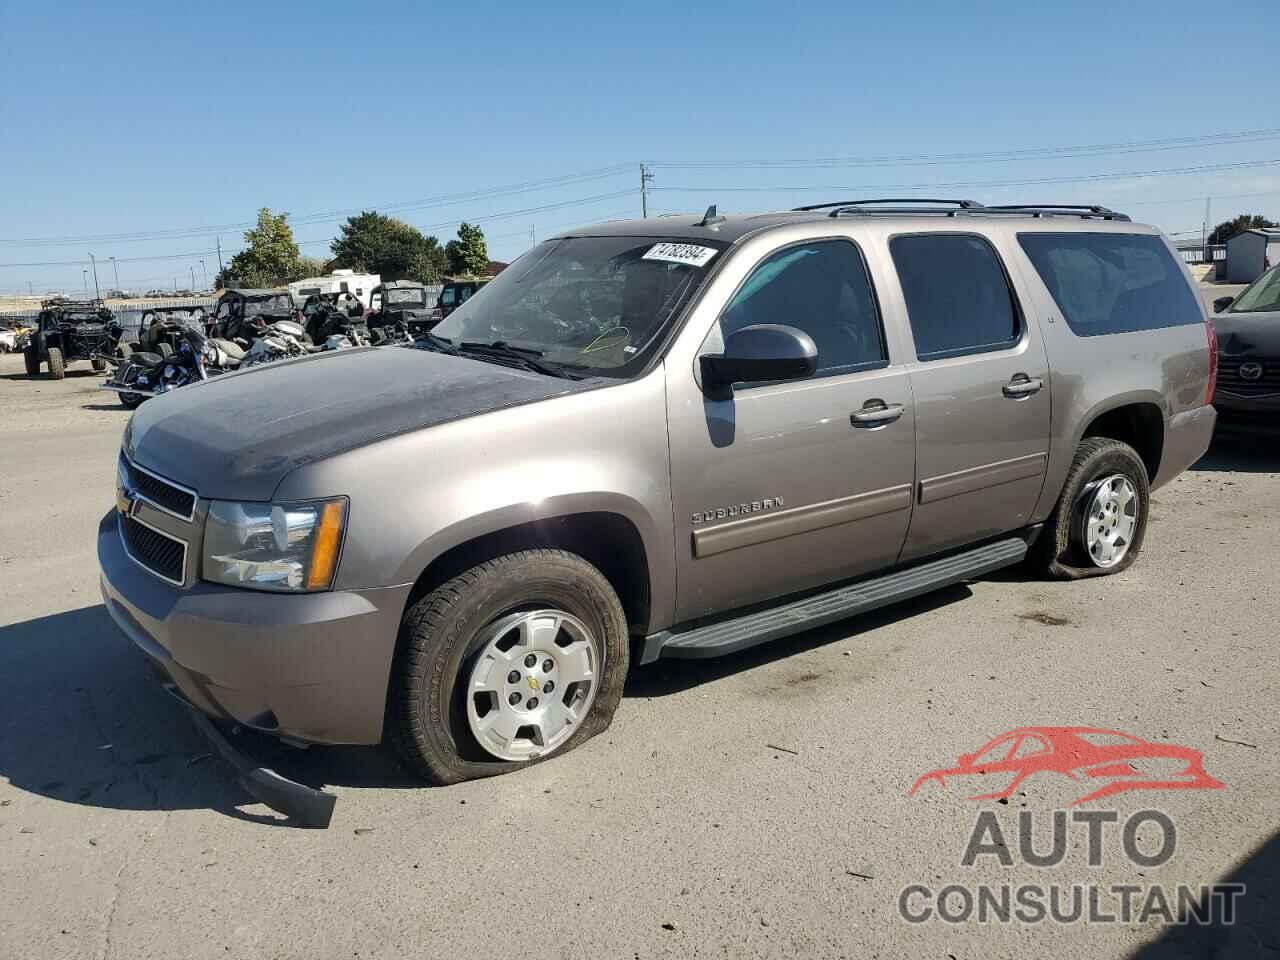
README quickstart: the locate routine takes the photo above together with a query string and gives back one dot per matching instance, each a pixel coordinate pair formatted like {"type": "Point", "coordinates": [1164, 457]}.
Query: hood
{"type": "Point", "coordinates": [236, 436]}
{"type": "Point", "coordinates": [1252, 334]}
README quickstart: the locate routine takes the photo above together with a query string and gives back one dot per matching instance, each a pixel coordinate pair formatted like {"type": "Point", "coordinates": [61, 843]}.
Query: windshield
{"type": "Point", "coordinates": [588, 302]}
{"type": "Point", "coordinates": [410, 295]}
{"type": "Point", "coordinates": [1263, 295]}
{"type": "Point", "coordinates": [272, 305]}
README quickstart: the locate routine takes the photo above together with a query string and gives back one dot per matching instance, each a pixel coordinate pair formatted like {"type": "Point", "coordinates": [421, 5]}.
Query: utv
{"type": "Point", "coordinates": [456, 292]}
{"type": "Point", "coordinates": [244, 314]}
{"type": "Point", "coordinates": [161, 329]}
{"type": "Point", "coordinates": [400, 312]}
{"type": "Point", "coordinates": [71, 330]}
{"type": "Point", "coordinates": [326, 315]}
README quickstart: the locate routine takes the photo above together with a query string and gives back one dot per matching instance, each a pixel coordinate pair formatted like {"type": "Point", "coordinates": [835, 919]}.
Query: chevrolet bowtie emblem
{"type": "Point", "coordinates": [124, 501]}
{"type": "Point", "coordinates": [533, 684]}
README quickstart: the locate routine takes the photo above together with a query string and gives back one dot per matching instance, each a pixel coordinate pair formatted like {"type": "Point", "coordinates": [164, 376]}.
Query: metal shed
{"type": "Point", "coordinates": [1251, 252]}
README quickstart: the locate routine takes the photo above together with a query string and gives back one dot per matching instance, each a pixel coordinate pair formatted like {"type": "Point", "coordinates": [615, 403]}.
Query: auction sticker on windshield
{"type": "Point", "coordinates": [690, 254]}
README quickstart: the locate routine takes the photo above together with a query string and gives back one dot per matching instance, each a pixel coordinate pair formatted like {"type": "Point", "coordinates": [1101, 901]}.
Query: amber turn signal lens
{"type": "Point", "coordinates": [324, 555]}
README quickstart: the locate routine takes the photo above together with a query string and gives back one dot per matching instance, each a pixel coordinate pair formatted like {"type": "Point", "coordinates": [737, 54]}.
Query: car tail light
{"type": "Point", "coordinates": [1213, 361]}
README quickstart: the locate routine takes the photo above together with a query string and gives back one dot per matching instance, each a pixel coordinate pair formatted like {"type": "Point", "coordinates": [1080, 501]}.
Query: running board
{"type": "Point", "coordinates": [730, 636]}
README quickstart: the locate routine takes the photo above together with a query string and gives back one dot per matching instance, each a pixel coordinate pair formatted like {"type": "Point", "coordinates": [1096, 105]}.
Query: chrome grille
{"type": "Point", "coordinates": [163, 555]}
{"type": "Point", "coordinates": [164, 494]}
{"type": "Point", "coordinates": [1230, 380]}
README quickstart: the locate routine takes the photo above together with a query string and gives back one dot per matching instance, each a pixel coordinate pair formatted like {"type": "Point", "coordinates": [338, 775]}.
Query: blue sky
{"type": "Point", "coordinates": [144, 118]}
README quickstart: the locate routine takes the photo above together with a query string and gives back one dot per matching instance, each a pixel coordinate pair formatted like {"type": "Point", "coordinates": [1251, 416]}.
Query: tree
{"type": "Point", "coordinates": [375, 243]}
{"type": "Point", "coordinates": [1245, 221]}
{"type": "Point", "coordinates": [271, 255]}
{"type": "Point", "coordinates": [469, 254]}
{"type": "Point", "coordinates": [311, 267]}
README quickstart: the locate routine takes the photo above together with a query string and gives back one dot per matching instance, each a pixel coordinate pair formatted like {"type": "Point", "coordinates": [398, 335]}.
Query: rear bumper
{"type": "Point", "coordinates": [1187, 436]}
{"type": "Point", "coordinates": [312, 667]}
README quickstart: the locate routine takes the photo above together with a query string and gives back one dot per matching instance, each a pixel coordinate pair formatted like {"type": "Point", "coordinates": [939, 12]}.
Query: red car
{"type": "Point", "coordinates": [1085, 754]}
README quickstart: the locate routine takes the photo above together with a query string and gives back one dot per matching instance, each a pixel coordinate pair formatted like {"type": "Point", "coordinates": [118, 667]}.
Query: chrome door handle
{"type": "Point", "coordinates": [876, 413]}
{"type": "Point", "coordinates": [1023, 386]}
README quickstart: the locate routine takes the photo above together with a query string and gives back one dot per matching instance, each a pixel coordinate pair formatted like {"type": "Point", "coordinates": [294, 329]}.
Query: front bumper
{"type": "Point", "coordinates": [310, 667]}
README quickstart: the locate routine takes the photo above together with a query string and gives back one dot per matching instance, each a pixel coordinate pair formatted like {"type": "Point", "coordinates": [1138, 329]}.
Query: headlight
{"type": "Point", "coordinates": [290, 547]}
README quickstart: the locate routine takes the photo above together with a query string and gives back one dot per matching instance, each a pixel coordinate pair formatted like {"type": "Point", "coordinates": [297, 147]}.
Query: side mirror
{"type": "Point", "coordinates": [761, 352]}
{"type": "Point", "coordinates": [1222, 303]}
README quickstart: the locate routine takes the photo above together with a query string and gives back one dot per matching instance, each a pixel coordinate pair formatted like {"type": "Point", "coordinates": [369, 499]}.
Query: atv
{"type": "Point", "coordinates": [400, 312]}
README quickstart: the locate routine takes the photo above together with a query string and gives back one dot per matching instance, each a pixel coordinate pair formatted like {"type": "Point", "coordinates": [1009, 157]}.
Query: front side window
{"type": "Point", "coordinates": [1263, 295]}
{"type": "Point", "coordinates": [400, 295]}
{"type": "Point", "coordinates": [1112, 282]}
{"type": "Point", "coordinates": [595, 303]}
{"type": "Point", "coordinates": [958, 297]}
{"type": "Point", "coordinates": [821, 288]}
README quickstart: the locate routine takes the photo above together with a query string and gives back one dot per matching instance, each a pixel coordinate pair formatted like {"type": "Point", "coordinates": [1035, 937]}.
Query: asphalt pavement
{"type": "Point", "coordinates": [754, 806]}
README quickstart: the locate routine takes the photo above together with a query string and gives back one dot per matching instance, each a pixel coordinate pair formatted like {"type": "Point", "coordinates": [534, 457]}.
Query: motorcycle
{"type": "Point", "coordinates": [197, 358]}
{"type": "Point", "coordinates": [279, 341]}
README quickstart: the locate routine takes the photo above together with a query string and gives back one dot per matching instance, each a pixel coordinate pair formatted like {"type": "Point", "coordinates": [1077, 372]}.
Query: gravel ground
{"type": "Point", "coordinates": [755, 806]}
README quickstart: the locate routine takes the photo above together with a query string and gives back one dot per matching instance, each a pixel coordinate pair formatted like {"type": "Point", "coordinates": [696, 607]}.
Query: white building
{"type": "Point", "coordinates": [1250, 252]}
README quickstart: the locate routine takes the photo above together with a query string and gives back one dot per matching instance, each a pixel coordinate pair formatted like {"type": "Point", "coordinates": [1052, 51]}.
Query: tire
{"type": "Point", "coordinates": [1061, 552]}
{"type": "Point", "coordinates": [164, 350]}
{"type": "Point", "coordinates": [445, 635]}
{"type": "Point", "coordinates": [131, 401]}
{"type": "Point", "coordinates": [98, 364]}
{"type": "Point", "coordinates": [57, 367]}
{"type": "Point", "coordinates": [31, 358]}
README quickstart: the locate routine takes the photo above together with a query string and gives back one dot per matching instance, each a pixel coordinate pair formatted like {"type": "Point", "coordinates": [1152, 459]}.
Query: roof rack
{"type": "Point", "coordinates": [952, 208]}
{"type": "Point", "coordinates": [856, 205]}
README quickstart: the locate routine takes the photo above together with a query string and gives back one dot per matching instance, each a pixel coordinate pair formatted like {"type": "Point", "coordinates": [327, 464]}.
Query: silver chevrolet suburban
{"type": "Point", "coordinates": [670, 437]}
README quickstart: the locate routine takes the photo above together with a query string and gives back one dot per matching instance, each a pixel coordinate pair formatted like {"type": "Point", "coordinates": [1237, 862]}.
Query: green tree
{"type": "Point", "coordinates": [469, 254]}
{"type": "Point", "coordinates": [271, 255]}
{"type": "Point", "coordinates": [375, 243]}
{"type": "Point", "coordinates": [311, 267]}
{"type": "Point", "coordinates": [1245, 221]}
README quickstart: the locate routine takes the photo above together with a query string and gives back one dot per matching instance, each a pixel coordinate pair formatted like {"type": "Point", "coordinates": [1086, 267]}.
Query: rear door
{"type": "Point", "coordinates": [980, 382]}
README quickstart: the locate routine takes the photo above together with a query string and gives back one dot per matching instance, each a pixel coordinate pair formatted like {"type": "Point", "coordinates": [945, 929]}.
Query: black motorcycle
{"type": "Point", "coordinates": [197, 358]}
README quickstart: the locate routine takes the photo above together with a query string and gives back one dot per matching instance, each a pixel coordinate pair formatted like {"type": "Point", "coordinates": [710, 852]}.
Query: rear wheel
{"type": "Point", "coordinates": [514, 661]}
{"type": "Point", "coordinates": [98, 364]}
{"type": "Point", "coordinates": [31, 359]}
{"type": "Point", "coordinates": [131, 401]}
{"type": "Point", "coordinates": [57, 366]}
{"type": "Point", "coordinates": [1100, 520]}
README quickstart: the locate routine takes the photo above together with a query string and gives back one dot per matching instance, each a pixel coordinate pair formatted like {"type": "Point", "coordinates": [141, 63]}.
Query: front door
{"type": "Point", "coordinates": [981, 387]}
{"type": "Point", "coordinates": [787, 486]}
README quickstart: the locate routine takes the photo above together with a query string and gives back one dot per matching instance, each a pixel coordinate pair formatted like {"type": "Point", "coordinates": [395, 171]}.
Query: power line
{"type": "Point", "coordinates": [994, 156]}
{"type": "Point", "coordinates": [1092, 178]}
{"type": "Point", "coordinates": [176, 233]}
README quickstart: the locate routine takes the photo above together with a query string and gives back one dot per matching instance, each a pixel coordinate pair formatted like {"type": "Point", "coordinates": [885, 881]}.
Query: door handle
{"type": "Point", "coordinates": [876, 413]}
{"type": "Point", "coordinates": [1022, 386]}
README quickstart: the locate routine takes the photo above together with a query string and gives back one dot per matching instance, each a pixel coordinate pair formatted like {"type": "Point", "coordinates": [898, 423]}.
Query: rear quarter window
{"type": "Point", "coordinates": [1108, 283]}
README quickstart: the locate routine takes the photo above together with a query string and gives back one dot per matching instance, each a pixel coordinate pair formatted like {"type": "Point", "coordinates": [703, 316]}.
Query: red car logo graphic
{"type": "Point", "coordinates": [1089, 755]}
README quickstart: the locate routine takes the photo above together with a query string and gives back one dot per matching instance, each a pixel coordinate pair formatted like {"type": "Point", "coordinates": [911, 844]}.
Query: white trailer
{"type": "Point", "coordinates": [340, 281]}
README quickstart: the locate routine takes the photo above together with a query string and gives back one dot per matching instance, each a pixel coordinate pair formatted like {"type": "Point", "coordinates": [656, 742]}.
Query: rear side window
{"type": "Point", "coordinates": [958, 297]}
{"type": "Point", "coordinates": [1112, 282]}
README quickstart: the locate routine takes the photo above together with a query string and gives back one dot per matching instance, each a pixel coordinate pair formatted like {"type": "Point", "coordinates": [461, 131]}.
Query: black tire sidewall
{"type": "Point", "coordinates": [57, 364]}
{"type": "Point", "coordinates": [1108, 459]}
{"type": "Point", "coordinates": [529, 581]}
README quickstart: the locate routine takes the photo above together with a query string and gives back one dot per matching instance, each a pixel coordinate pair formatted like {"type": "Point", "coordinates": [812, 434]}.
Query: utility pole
{"type": "Point", "coordinates": [220, 270]}
{"type": "Point", "coordinates": [97, 294]}
{"type": "Point", "coordinates": [193, 275]}
{"type": "Point", "coordinates": [204, 274]}
{"type": "Point", "coordinates": [533, 236]}
{"type": "Point", "coordinates": [645, 178]}
{"type": "Point", "coordinates": [116, 268]}
{"type": "Point", "coordinates": [84, 274]}
{"type": "Point", "coordinates": [1204, 230]}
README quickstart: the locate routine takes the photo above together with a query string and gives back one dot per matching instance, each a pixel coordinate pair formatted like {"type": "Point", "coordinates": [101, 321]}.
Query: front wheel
{"type": "Point", "coordinates": [514, 661]}
{"type": "Point", "coordinates": [31, 359]}
{"type": "Point", "coordinates": [1100, 520]}
{"type": "Point", "coordinates": [131, 401]}
{"type": "Point", "coordinates": [57, 366]}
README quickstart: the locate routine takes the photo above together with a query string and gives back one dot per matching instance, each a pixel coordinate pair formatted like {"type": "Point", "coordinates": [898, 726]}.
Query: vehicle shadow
{"type": "Point", "coordinates": [669, 676]}
{"type": "Point", "coordinates": [1255, 931]}
{"type": "Point", "coordinates": [1242, 453]}
{"type": "Point", "coordinates": [87, 722]}
{"type": "Point", "coordinates": [118, 408]}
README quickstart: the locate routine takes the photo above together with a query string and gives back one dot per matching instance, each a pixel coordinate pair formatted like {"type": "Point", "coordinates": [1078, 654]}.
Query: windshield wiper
{"type": "Point", "coordinates": [436, 344]}
{"type": "Point", "coordinates": [502, 352]}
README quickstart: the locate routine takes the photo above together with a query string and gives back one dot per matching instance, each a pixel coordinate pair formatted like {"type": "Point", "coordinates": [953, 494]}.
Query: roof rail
{"type": "Point", "coordinates": [856, 205]}
{"type": "Point", "coordinates": [952, 208]}
{"type": "Point", "coordinates": [1060, 209]}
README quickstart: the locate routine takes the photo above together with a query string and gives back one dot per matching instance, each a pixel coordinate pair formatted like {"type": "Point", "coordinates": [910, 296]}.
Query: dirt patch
{"type": "Point", "coordinates": [1044, 619]}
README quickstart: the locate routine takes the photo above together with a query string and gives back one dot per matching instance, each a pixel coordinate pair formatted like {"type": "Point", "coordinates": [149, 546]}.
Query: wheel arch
{"type": "Point", "coordinates": [606, 538]}
{"type": "Point", "coordinates": [1137, 422]}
